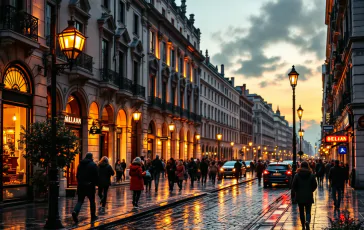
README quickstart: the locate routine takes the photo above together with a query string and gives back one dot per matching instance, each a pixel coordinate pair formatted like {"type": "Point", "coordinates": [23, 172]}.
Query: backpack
{"type": "Point", "coordinates": [147, 174]}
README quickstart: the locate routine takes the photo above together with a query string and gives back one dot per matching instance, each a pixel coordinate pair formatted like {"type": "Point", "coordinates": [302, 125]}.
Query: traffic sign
{"type": "Point", "coordinates": [342, 150]}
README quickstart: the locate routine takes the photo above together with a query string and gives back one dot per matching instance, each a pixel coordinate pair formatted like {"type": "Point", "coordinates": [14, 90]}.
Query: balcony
{"type": "Point", "coordinates": [138, 92]}
{"type": "Point", "coordinates": [125, 87]}
{"type": "Point", "coordinates": [109, 80]}
{"type": "Point", "coordinates": [185, 114]}
{"type": "Point", "coordinates": [155, 103]}
{"type": "Point", "coordinates": [18, 27]}
{"type": "Point", "coordinates": [177, 111]}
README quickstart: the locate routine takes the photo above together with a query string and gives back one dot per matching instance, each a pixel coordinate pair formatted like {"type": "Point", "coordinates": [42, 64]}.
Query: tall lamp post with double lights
{"type": "Point", "coordinates": [171, 128]}
{"type": "Point", "coordinates": [219, 138]}
{"type": "Point", "coordinates": [72, 43]}
{"type": "Point", "coordinates": [293, 78]}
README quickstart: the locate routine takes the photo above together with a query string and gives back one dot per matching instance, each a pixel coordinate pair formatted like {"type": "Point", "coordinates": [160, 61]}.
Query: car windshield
{"type": "Point", "coordinates": [230, 163]}
{"type": "Point", "coordinates": [277, 167]}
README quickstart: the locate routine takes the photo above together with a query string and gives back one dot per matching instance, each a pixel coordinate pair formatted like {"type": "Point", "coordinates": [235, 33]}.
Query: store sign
{"type": "Point", "coordinates": [163, 138]}
{"type": "Point", "coordinates": [336, 139]}
{"type": "Point", "coordinates": [95, 130]}
{"type": "Point", "coordinates": [342, 150]}
{"type": "Point", "coordinates": [72, 120]}
{"type": "Point", "coordinates": [328, 128]}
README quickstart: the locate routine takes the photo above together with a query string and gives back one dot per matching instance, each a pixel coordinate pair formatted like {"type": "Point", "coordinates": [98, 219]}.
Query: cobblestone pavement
{"type": "Point", "coordinates": [33, 215]}
{"type": "Point", "coordinates": [235, 208]}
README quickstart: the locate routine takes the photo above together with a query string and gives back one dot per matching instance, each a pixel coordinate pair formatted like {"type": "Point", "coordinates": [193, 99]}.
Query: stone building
{"type": "Point", "coordinates": [283, 137]}
{"type": "Point", "coordinates": [343, 82]}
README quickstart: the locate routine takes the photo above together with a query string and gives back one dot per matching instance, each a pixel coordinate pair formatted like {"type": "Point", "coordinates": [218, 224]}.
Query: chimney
{"type": "Point", "coordinates": [222, 70]}
{"type": "Point", "coordinates": [192, 19]}
{"type": "Point", "coordinates": [183, 7]}
{"type": "Point", "coordinates": [207, 57]}
{"type": "Point", "coordinates": [232, 81]}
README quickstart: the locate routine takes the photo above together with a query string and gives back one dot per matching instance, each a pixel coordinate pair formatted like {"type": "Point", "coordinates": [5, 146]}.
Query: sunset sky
{"type": "Point", "coordinates": [259, 41]}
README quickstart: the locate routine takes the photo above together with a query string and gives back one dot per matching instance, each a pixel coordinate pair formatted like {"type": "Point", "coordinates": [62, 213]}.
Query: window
{"type": "Point", "coordinates": [163, 12]}
{"type": "Point", "coordinates": [121, 63]}
{"type": "Point", "coordinates": [105, 54]}
{"type": "Point", "coordinates": [136, 72]}
{"type": "Point", "coordinates": [122, 12]}
{"type": "Point", "coordinates": [106, 4]}
{"type": "Point", "coordinates": [79, 26]}
{"type": "Point", "coordinates": [173, 58]}
{"type": "Point", "coordinates": [136, 24]}
{"type": "Point", "coordinates": [180, 29]}
{"type": "Point", "coordinates": [194, 44]}
{"type": "Point", "coordinates": [188, 37]}
{"type": "Point", "coordinates": [172, 21]}
{"type": "Point", "coordinates": [181, 65]}
{"type": "Point", "coordinates": [48, 18]}
{"type": "Point", "coordinates": [152, 41]}
{"type": "Point", "coordinates": [164, 52]}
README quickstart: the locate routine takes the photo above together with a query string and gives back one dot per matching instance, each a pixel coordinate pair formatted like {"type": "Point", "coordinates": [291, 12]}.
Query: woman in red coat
{"type": "Point", "coordinates": [136, 180]}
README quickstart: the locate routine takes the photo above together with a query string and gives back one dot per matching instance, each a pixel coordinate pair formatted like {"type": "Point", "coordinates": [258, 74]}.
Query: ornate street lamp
{"type": "Point", "coordinates": [293, 78]}
{"type": "Point", "coordinates": [197, 136]}
{"type": "Point", "coordinates": [300, 113]}
{"type": "Point", "coordinates": [73, 43]}
{"type": "Point", "coordinates": [232, 148]}
{"type": "Point", "coordinates": [136, 117]}
{"type": "Point", "coordinates": [171, 128]}
{"type": "Point", "coordinates": [251, 144]}
{"type": "Point", "coordinates": [219, 138]}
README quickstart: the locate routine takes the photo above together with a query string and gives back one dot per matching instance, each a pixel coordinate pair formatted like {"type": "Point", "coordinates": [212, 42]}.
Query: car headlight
{"type": "Point", "coordinates": [222, 170]}
{"type": "Point", "coordinates": [233, 170]}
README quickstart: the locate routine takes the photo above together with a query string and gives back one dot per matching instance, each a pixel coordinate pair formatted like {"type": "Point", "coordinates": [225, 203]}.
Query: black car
{"type": "Point", "coordinates": [278, 173]}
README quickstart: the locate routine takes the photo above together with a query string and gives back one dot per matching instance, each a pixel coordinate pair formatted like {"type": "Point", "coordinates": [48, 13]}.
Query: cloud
{"type": "Point", "coordinates": [308, 124]}
{"type": "Point", "coordinates": [288, 21]}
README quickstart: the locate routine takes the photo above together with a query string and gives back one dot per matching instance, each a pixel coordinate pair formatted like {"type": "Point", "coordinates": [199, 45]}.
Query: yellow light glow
{"type": "Point", "coordinates": [14, 117]}
{"type": "Point", "coordinates": [136, 116]}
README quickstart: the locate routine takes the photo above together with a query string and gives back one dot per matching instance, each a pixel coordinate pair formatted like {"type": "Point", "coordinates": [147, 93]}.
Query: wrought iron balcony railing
{"type": "Point", "coordinates": [155, 101]}
{"type": "Point", "coordinates": [109, 76]}
{"type": "Point", "coordinates": [125, 84]}
{"type": "Point", "coordinates": [139, 90]}
{"type": "Point", "coordinates": [18, 21]}
{"type": "Point", "coordinates": [85, 61]}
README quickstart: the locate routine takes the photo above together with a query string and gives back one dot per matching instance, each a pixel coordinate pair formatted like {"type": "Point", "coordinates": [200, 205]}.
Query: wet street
{"type": "Point", "coordinates": [234, 208]}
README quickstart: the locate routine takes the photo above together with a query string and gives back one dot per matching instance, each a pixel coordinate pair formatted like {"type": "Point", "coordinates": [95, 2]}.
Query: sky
{"type": "Point", "coordinates": [259, 41]}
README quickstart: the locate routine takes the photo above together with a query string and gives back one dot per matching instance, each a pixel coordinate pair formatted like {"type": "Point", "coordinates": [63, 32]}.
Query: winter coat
{"type": "Point", "coordinates": [337, 177]}
{"type": "Point", "coordinates": [327, 168]}
{"type": "Point", "coordinates": [87, 173]}
{"type": "Point", "coordinates": [105, 172]}
{"type": "Point", "coordinates": [320, 169]}
{"type": "Point", "coordinates": [180, 172]}
{"type": "Point", "coordinates": [136, 177]}
{"type": "Point", "coordinates": [118, 167]}
{"type": "Point", "coordinates": [237, 167]}
{"type": "Point", "coordinates": [157, 166]}
{"type": "Point", "coordinates": [123, 165]}
{"type": "Point", "coordinates": [260, 168]}
{"type": "Point", "coordinates": [148, 167]}
{"type": "Point", "coordinates": [171, 169]}
{"type": "Point", "coordinates": [304, 184]}
{"type": "Point", "coordinates": [204, 167]}
{"type": "Point", "coordinates": [192, 167]}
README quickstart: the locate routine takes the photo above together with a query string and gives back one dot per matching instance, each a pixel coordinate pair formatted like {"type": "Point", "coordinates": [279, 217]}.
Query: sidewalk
{"type": "Point", "coordinates": [33, 215]}
{"type": "Point", "coordinates": [286, 217]}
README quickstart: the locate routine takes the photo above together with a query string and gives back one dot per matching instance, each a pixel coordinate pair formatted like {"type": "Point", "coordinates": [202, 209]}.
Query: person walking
{"type": "Point", "coordinates": [320, 172]}
{"type": "Point", "coordinates": [213, 170]}
{"type": "Point", "coordinates": [204, 167]}
{"type": "Point", "coordinates": [105, 173]}
{"type": "Point", "coordinates": [327, 170]}
{"type": "Point", "coordinates": [87, 179]}
{"type": "Point", "coordinates": [192, 169]}
{"type": "Point", "coordinates": [180, 171]}
{"type": "Point", "coordinates": [119, 171]}
{"type": "Point", "coordinates": [252, 167]}
{"type": "Point", "coordinates": [136, 180]}
{"type": "Point", "coordinates": [171, 173]}
{"type": "Point", "coordinates": [123, 166]}
{"type": "Point", "coordinates": [304, 184]}
{"type": "Point", "coordinates": [260, 169]}
{"type": "Point", "coordinates": [198, 172]}
{"type": "Point", "coordinates": [157, 169]}
{"type": "Point", "coordinates": [237, 167]}
{"type": "Point", "coordinates": [149, 172]}
{"type": "Point", "coordinates": [337, 180]}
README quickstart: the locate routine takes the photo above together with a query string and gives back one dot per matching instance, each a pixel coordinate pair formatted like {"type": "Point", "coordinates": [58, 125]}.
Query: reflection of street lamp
{"type": "Point", "coordinates": [232, 148]}
{"type": "Point", "coordinates": [293, 78]}
{"type": "Point", "coordinates": [219, 138]}
{"type": "Point", "coordinates": [171, 130]}
{"type": "Point", "coordinates": [71, 43]}
{"type": "Point", "coordinates": [136, 117]}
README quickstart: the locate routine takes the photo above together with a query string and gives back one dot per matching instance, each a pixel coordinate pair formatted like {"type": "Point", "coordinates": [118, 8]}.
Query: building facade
{"type": "Point", "coordinates": [220, 113]}
{"type": "Point", "coordinates": [283, 136]}
{"type": "Point", "coordinates": [342, 81]}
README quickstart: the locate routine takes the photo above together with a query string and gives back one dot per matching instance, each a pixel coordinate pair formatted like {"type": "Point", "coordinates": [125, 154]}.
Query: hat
{"type": "Point", "coordinates": [89, 156]}
{"type": "Point", "coordinates": [137, 160]}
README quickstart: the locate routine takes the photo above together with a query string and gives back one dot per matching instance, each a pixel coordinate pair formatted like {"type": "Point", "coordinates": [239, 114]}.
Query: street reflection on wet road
{"type": "Point", "coordinates": [235, 207]}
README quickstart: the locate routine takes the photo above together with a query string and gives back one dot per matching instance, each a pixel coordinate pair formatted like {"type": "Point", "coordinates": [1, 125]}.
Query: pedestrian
{"type": "Point", "coordinates": [213, 170]}
{"type": "Point", "coordinates": [157, 169]}
{"type": "Point", "coordinates": [171, 173]}
{"type": "Point", "coordinates": [237, 167]}
{"type": "Point", "coordinates": [260, 169]}
{"type": "Point", "coordinates": [327, 171]}
{"type": "Point", "coordinates": [320, 172]}
{"type": "Point", "coordinates": [180, 171]}
{"type": "Point", "coordinates": [105, 173]}
{"type": "Point", "coordinates": [337, 180]}
{"type": "Point", "coordinates": [149, 172]}
{"type": "Point", "coordinates": [252, 168]}
{"type": "Point", "coordinates": [304, 184]}
{"type": "Point", "coordinates": [313, 166]}
{"type": "Point", "coordinates": [198, 173]}
{"type": "Point", "coordinates": [87, 179]}
{"type": "Point", "coordinates": [123, 166]}
{"type": "Point", "coordinates": [204, 167]}
{"type": "Point", "coordinates": [119, 171]}
{"type": "Point", "coordinates": [192, 169]}
{"type": "Point", "coordinates": [136, 180]}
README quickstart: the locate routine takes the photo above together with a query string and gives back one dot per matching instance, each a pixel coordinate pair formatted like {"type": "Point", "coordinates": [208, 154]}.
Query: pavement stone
{"type": "Point", "coordinates": [33, 215]}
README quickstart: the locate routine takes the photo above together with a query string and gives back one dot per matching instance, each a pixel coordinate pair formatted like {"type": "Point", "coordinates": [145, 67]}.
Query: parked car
{"type": "Point", "coordinates": [278, 173]}
{"type": "Point", "coordinates": [288, 162]}
{"type": "Point", "coordinates": [247, 163]}
{"type": "Point", "coordinates": [228, 169]}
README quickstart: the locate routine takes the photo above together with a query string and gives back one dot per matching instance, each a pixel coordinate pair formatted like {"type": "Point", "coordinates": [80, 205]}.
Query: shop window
{"type": "Point", "coordinates": [14, 164]}
{"type": "Point", "coordinates": [15, 80]}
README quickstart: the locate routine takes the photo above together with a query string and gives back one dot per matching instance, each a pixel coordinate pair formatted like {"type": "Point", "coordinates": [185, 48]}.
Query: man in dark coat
{"type": "Point", "coordinates": [157, 169]}
{"type": "Point", "coordinates": [260, 169]}
{"type": "Point", "coordinates": [192, 170]}
{"type": "Point", "coordinates": [204, 166]}
{"type": "Point", "coordinates": [337, 180]}
{"type": "Point", "coordinates": [237, 167]}
{"type": "Point", "coordinates": [105, 173]}
{"type": "Point", "coordinates": [87, 179]}
{"type": "Point", "coordinates": [304, 184]}
{"type": "Point", "coordinates": [252, 167]}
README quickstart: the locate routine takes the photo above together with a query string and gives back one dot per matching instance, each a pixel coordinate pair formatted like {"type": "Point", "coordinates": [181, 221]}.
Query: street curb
{"type": "Point", "coordinates": [112, 221]}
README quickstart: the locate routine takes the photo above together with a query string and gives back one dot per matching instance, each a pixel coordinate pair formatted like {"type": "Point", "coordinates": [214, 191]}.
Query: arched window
{"type": "Point", "coordinates": [15, 80]}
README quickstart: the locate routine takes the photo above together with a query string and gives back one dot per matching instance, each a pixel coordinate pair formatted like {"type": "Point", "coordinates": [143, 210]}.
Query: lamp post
{"type": "Point", "coordinates": [293, 78]}
{"type": "Point", "coordinates": [219, 138]}
{"type": "Point", "coordinates": [301, 133]}
{"type": "Point", "coordinates": [250, 145]}
{"type": "Point", "coordinates": [71, 43]}
{"type": "Point", "coordinates": [300, 113]}
{"type": "Point", "coordinates": [136, 117]}
{"type": "Point", "coordinates": [244, 152]}
{"type": "Point", "coordinates": [232, 148]}
{"type": "Point", "coordinates": [171, 127]}
{"type": "Point", "coordinates": [198, 136]}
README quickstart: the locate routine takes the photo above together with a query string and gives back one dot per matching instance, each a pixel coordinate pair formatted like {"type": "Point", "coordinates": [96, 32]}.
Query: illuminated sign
{"type": "Point", "coordinates": [336, 139]}
{"type": "Point", "coordinates": [342, 150]}
{"type": "Point", "coordinates": [95, 130]}
{"type": "Point", "coordinates": [72, 120]}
